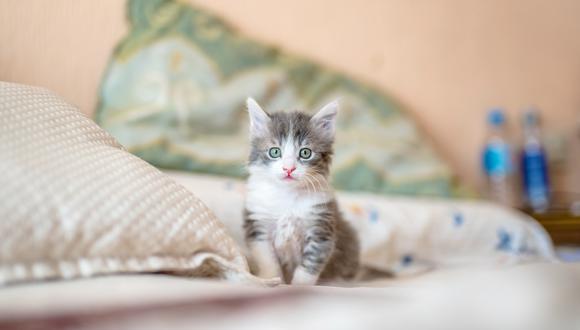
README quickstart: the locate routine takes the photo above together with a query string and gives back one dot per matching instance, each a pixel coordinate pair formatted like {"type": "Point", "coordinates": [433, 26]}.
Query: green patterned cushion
{"type": "Point", "coordinates": [174, 95]}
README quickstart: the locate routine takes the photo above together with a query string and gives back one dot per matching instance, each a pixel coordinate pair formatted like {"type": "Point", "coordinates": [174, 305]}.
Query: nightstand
{"type": "Point", "coordinates": [563, 227]}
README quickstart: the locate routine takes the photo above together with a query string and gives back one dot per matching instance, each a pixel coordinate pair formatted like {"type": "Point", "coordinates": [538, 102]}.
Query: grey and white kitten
{"type": "Point", "coordinates": [292, 223]}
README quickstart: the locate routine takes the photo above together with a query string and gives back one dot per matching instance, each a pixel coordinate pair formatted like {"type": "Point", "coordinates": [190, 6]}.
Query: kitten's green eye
{"type": "Point", "coordinates": [305, 153]}
{"type": "Point", "coordinates": [275, 152]}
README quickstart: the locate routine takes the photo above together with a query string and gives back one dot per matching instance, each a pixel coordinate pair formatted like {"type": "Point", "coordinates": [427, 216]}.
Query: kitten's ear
{"type": "Point", "coordinates": [259, 119]}
{"type": "Point", "coordinates": [325, 118]}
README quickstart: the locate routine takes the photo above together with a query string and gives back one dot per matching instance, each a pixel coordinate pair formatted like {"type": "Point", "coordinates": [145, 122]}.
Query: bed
{"type": "Point", "coordinates": [532, 296]}
{"type": "Point", "coordinates": [442, 291]}
{"type": "Point", "coordinates": [96, 238]}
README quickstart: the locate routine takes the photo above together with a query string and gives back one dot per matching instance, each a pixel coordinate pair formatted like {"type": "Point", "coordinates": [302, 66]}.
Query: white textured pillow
{"type": "Point", "coordinates": [73, 203]}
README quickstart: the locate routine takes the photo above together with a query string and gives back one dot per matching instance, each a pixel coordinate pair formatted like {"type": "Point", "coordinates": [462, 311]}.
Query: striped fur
{"type": "Point", "coordinates": [293, 226]}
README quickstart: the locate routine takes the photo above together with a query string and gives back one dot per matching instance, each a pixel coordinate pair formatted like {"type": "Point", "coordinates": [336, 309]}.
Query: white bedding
{"type": "Point", "coordinates": [482, 266]}
{"type": "Point", "coordinates": [527, 297]}
{"type": "Point", "coordinates": [481, 279]}
{"type": "Point", "coordinates": [406, 236]}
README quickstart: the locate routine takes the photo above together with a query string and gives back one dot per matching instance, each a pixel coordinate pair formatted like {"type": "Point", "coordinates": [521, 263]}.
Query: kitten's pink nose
{"type": "Point", "coordinates": [289, 170]}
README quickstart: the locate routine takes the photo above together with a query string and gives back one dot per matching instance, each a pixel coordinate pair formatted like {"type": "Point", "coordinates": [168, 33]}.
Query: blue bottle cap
{"type": "Point", "coordinates": [496, 117]}
{"type": "Point", "coordinates": [531, 117]}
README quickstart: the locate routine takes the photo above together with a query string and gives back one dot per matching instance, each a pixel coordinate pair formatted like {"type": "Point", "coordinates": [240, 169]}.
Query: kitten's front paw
{"type": "Point", "coordinates": [273, 281]}
{"type": "Point", "coordinates": [268, 273]}
{"type": "Point", "coordinates": [303, 277]}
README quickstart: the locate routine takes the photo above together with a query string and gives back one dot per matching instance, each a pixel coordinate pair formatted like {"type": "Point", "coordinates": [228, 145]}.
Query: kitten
{"type": "Point", "coordinates": [292, 223]}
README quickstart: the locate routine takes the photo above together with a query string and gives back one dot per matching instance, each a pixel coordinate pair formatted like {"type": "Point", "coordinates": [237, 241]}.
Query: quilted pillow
{"type": "Point", "coordinates": [74, 203]}
{"type": "Point", "coordinates": [174, 95]}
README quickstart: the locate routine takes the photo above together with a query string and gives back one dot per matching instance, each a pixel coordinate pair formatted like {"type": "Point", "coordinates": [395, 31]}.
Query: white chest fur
{"type": "Point", "coordinates": [272, 200]}
{"type": "Point", "coordinates": [285, 212]}
{"type": "Point", "coordinates": [288, 240]}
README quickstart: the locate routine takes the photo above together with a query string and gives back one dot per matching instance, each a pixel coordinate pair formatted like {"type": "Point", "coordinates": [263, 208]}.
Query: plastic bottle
{"type": "Point", "coordinates": [573, 170]}
{"type": "Point", "coordinates": [497, 161]}
{"type": "Point", "coordinates": [535, 180]}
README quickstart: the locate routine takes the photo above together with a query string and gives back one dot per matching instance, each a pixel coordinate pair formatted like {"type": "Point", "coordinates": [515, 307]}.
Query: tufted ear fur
{"type": "Point", "coordinates": [325, 119]}
{"type": "Point", "coordinates": [259, 119]}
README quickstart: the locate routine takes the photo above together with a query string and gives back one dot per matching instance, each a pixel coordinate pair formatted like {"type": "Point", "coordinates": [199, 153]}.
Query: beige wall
{"type": "Point", "coordinates": [447, 60]}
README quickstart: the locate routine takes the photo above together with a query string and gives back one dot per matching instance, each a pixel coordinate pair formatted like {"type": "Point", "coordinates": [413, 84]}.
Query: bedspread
{"type": "Point", "coordinates": [406, 236]}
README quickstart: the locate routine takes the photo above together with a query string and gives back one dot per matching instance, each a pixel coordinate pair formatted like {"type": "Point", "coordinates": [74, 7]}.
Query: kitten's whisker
{"type": "Point", "coordinates": [320, 181]}
{"type": "Point", "coordinates": [316, 182]}
{"type": "Point", "coordinates": [305, 183]}
{"type": "Point", "coordinates": [310, 183]}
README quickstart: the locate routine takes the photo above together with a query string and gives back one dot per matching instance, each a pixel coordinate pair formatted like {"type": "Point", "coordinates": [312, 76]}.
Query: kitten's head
{"type": "Point", "coordinates": [292, 148]}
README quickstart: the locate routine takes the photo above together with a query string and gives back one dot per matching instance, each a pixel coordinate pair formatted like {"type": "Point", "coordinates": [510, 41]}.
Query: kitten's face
{"type": "Point", "coordinates": [291, 148]}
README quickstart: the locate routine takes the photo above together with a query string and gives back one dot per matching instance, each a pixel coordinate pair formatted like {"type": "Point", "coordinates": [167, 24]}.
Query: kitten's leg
{"type": "Point", "coordinates": [261, 248]}
{"type": "Point", "coordinates": [265, 259]}
{"type": "Point", "coordinates": [317, 250]}
{"type": "Point", "coordinates": [302, 276]}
